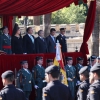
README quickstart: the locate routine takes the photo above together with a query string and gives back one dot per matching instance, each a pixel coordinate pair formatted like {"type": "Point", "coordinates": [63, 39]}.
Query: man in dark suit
{"type": "Point", "coordinates": [55, 90]}
{"type": "Point", "coordinates": [41, 45]}
{"type": "Point", "coordinates": [10, 92]}
{"type": "Point", "coordinates": [62, 40]}
{"type": "Point", "coordinates": [51, 41]}
{"type": "Point", "coordinates": [39, 74]}
{"type": "Point", "coordinates": [5, 41]}
{"type": "Point", "coordinates": [29, 42]}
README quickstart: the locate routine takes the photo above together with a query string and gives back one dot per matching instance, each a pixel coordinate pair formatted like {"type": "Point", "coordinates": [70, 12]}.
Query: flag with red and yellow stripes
{"type": "Point", "coordinates": [58, 61]}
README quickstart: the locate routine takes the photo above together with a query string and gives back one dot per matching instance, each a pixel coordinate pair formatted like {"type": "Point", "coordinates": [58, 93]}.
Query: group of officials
{"type": "Point", "coordinates": [28, 44]}
{"type": "Point", "coordinates": [83, 81]}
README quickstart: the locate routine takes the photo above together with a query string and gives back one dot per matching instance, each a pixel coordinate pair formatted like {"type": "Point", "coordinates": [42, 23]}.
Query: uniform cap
{"type": "Point", "coordinates": [38, 58]}
{"type": "Point", "coordinates": [7, 74]}
{"type": "Point", "coordinates": [23, 62]}
{"type": "Point", "coordinates": [49, 60]}
{"type": "Point", "coordinates": [80, 58]}
{"type": "Point", "coordinates": [95, 67]}
{"type": "Point", "coordinates": [68, 58]}
{"type": "Point", "coordinates": [92, 58]}
{"type": "Point", "coordinates": [52, 69]}
{"type": "Point", "coordinates": [83, 69]}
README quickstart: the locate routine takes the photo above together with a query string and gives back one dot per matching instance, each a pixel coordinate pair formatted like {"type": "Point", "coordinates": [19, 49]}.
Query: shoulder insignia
{"type": "Point", "coordinates": [81, 90]}
{"type": "Point", "coordinates": [92, 92]}
{"type": "Point", "coordinates": [44, 94]}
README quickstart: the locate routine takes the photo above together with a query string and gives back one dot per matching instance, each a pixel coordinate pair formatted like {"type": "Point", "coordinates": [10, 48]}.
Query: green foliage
{"type": "Point", "coordinates": [69, 15]}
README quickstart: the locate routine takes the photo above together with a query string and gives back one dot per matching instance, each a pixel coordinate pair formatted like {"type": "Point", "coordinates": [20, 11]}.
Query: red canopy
{"type": "Point", "coordinates": [9, 8]}
{"type": "Point", "coordinates": [32, 7]}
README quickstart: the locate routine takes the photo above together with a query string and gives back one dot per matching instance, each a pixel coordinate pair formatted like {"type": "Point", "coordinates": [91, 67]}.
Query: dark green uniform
{"type": "Point", "coordinates": [5, 43]}
{"type": "Point", "coordinates": [39, 74]}
{"type": "Point", "coordinates": [71, 73]}
{"type": "Point", "coordinates": [78, 67]}
{"type": "Point", "coordinates": [25, 81]}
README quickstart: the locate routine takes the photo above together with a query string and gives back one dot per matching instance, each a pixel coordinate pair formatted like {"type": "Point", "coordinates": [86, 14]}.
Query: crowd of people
{"type": "Point", "coordinates": [83, 81]}
{"type": "Point", "coordinates": [28, 44]}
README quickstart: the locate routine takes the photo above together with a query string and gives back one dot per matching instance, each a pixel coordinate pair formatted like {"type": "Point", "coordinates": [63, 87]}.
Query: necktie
{"type": "Point", "coordinates": [43, 39]}
{"type": "Point", "coordinates": [31, 38]}
{"type": "Point", "coordinates": [7, 35]}
{"type": "Point", "coordinates": [53, 39]}
{"type": "Point", "coordinates": [27, 71]}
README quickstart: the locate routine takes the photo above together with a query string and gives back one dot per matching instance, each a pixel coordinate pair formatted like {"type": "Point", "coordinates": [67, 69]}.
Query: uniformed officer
{"type": "Point", "coordinates": [84, 85]}
{"type": "Point", "coordinates": [78, 66]}
{"type": "Point", "coordinates": [94, 89]}
{"type": "Point", "coordinates": [5, 41]}
{"type": "Point", "coordinates": [55, 90]}
{"type": "Point", "coordinates": [92, 61]}
{"type": "Point", "coordinates": [39, 75]}
{"type": "Point", "coordinates": [49, 62]}
{"type": "Point", "coordinates": [9, 92]}
{"type": "Point", "coordinates": [26, 81]}
{"type": "Point", "coordinates": [71, 76]}
{"type": "Point", "coordinates": [62, 40]}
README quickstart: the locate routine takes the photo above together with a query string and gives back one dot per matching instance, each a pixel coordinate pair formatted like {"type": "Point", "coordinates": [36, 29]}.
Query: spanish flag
{"type": "Point", "coordinates": [58, 61]}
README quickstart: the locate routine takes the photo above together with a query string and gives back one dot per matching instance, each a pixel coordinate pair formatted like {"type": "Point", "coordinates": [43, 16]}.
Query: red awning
{"type": "Point", "coordinates": [32, 7]}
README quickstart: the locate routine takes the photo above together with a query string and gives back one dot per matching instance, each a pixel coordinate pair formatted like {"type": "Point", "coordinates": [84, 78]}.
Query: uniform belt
{"type": "Point", "coordinates": [6, 47]}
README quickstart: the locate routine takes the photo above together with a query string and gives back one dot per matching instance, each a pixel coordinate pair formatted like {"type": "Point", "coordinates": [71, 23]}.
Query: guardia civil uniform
{"type": "Point", "coordinates": [25, 81]}
{"type": "Point", "coordinates": [55, 90]}
{"type": "Point", "coordinates": [39, 75]}
{"type": "Point", "coordinates": [94, 89]}
{"type": "Point", "coordinates": [10, 92]}
{"type": "Point", "coordinates": [84, 86]}
{"type": "Point", "coordinates": [5, 42]}
{"type": "Point", "coordinates": [71, 73]}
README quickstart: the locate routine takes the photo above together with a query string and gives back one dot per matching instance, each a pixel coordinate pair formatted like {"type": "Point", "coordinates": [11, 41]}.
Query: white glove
{"type": "Point", "coordinates": [69, 79]}
{"type": "Point", "coordinates": [36, 87]}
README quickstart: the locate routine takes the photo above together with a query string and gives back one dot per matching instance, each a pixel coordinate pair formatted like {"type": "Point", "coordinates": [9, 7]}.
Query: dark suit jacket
{"type": "Point", "coordinates": [17, 45]}
{"type": "Point", "coordinates": [51, 44]}
{"type": "Point", "coordinates": [62, 41]}
{"type": "Point", "coordinates": [28, 46]}
{"type": "Point", "coordinates": [41, 46]}
{"type": "Point", "coordinates": [56, 91]}
{"type": "Point", "coordinates": [9, 92]}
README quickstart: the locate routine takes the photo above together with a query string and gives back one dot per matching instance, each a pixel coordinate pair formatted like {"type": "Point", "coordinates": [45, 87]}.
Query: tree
{"type": "Point", "coordinates": [95, 34]}
{"type": "Point", "coordinates": [47, 24]}
{"type": "Point", "coordinates": [69, 15]}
